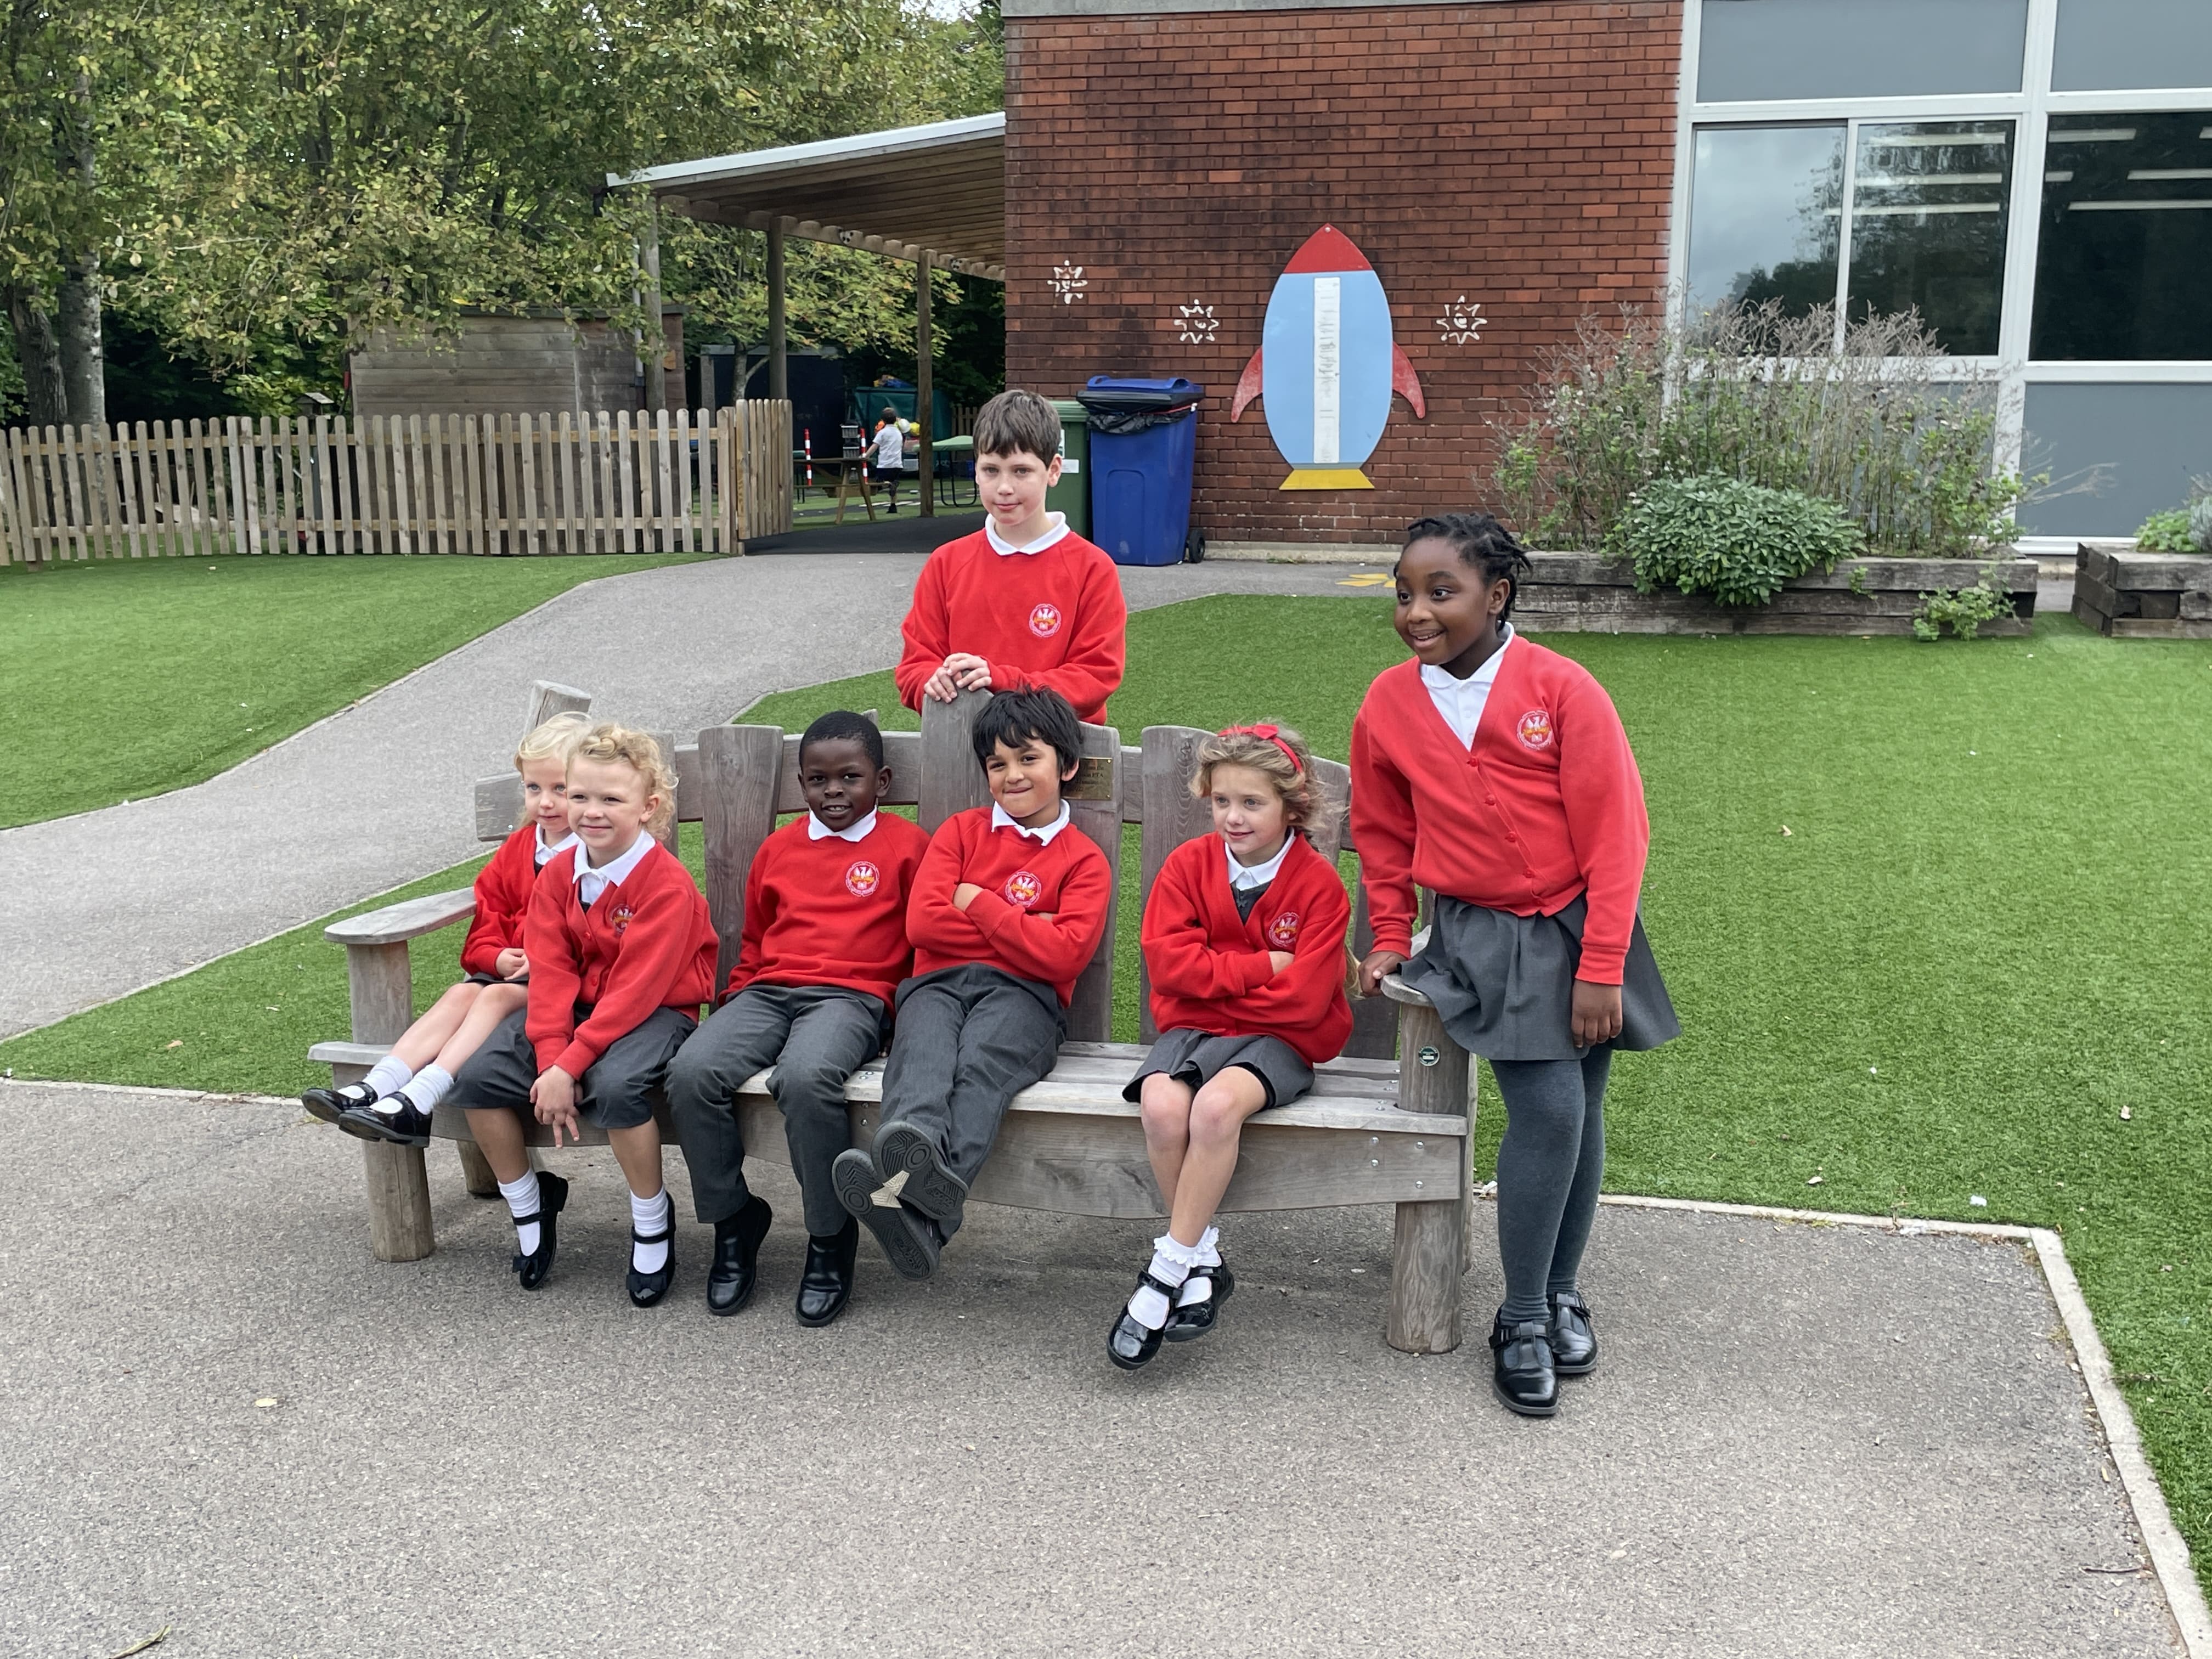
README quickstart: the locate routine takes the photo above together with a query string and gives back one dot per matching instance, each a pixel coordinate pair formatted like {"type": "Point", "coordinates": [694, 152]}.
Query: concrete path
{"type": "Point", "coordinates": [1803, 1440]}
{"type": "Point", "coordinates": [95, 906]}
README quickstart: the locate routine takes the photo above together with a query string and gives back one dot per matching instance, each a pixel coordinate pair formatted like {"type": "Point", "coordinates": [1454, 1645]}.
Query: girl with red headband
{"type": "Point", "coordinates": [1496, 772]}
{"type": "Point", "coordinates": [1243, 937]}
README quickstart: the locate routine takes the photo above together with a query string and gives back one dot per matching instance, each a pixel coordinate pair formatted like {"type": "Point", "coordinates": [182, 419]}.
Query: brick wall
{"type": "Point", "coordinates": [1521, 155]}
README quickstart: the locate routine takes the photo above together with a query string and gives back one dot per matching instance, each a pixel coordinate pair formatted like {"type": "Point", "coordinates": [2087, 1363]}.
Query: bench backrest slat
{"type": "Point", "coordinates": [738, 770]}
{"type": "Point", "coordinates": [1171, 816]}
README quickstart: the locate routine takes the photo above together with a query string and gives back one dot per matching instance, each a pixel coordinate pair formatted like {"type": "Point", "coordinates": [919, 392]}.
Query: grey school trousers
{"type": "Point", "coordinates": [814, 1037]}
{"type": "Point", "coordinates": [969, 1040]}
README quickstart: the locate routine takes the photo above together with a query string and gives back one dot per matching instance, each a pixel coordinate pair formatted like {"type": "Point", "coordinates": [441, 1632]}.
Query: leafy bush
{"type": "Point", "coordinates": [1739, 542]}
{"type": "Point", "coordinates": [1963, 609]}
{"type": "Point", "coordinates": [1896, 432]}
{"type": "Point", "coordinates": [2165, 533]}
{"type": "Point", "coordinates": [2200, 524]}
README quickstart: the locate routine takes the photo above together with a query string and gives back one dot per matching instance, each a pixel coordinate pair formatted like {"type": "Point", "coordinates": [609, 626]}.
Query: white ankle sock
{"type": "Point", "coordinates": [387, 1077]}
{"type": "Point", "coordinates": [521, 1196]}
{"type": "Point", "coordinates": [428, 1087]}
{"type": "Point", "coordinates": [1171, 1264]}
{"type": "Point", "coordinates": [649, 1215]}
{"type": "Point", "coordinates": [1207, 1252]}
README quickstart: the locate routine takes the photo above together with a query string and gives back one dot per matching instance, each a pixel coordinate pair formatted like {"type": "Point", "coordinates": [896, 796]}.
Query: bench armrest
{"type": "Point", "coordinates": [395, 924]}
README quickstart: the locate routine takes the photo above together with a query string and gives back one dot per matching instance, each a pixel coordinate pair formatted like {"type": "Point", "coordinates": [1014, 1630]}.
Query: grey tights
{"type": "Point", "coordinates": [1549, 1167]}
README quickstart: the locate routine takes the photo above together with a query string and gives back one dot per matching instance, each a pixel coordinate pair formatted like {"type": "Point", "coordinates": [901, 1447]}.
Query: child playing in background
{"type": "Point", "coordinates": [1243, 937]}
{"type": "Point", "coordinates": [394, 1102]}
{"type": "Point", "coordinates": [621, 954]}
{"type": "Point", "coordinates": [1024, 601]}
{"type": "Point", "coordinates": [1009, 905]}
{"type": "Point", "coordinates": [1497, 772]}
{"type": "Point", "coordinates": [821, 957]}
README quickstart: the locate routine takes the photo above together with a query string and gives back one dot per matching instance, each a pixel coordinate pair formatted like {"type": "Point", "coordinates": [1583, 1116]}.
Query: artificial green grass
{"type": "Point", "coordinates": [1982, 937]}
{"type": "Point", "coordinates": [125, 677]}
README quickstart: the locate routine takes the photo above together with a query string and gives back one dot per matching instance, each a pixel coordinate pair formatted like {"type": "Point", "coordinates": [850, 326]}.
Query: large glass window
{"type": "Point", "coordinates": [1928, 203]}
{"type": "Point", "coordinates": [2124, 269]}
{"type": "Point", "coordinates": [1764, 220]}
{"type": "Point", "coordinates": [2107, 44]}
{"type": "Point", "coordinates": [1769, 49]}
{"type": "Point", "coordinates": [2148, 440]}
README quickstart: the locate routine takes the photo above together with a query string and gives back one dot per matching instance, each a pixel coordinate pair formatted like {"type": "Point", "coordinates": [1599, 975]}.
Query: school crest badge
{"type": "Point", "coordinates": [1023, 889]}
{"type": "Point", "coordinates": [1044, 620]}
{"type": "Point", "coordinates": [622, 916]}
{"type": "Point", "coordinates": [1282, 931]}
{"type": "Point", "coordinates": [861, 878]}
{"type": "Point", "coordinates": [1535, 729]}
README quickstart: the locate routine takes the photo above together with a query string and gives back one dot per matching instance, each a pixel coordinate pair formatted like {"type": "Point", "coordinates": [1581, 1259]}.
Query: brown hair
{"type": "Point", "coordinates": [608, 745]}
{"type": "Point", "coordinates": [1279, 754]}
{"type": "Point", "coordinates": [1017, 420]}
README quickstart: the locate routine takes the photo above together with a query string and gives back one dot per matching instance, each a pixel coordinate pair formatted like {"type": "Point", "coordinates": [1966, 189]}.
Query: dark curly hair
{"type": "Point", "coordinates": [1482, 543]}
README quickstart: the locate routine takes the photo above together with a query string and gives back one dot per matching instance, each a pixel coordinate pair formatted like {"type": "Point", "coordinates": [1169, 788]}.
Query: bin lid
{"type": "Point", "coordinates": [1107, 394]}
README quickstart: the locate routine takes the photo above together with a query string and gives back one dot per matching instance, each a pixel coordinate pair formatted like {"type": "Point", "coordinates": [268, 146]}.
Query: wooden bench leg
{"type": "Point", "coordinates": [1424, 1270]}
{"type": "Point", "coordinates": [476, 1169]}
{"type": "Point", "coordinates": [400, 1226]}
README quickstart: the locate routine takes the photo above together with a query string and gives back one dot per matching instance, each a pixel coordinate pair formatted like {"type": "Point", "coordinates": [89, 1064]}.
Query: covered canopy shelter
{"type": "Point", "coordinates": [935, 195]}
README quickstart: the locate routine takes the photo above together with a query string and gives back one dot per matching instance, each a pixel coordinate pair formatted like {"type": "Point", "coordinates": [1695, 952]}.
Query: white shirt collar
{"type": "Point", "coordinates": [545, 854]}
{"type": "Point", "coordinates": [817, 830]}
{"type": "Point", "coordinates": [591, 883]}
{"type": "Point", "coordinates": [1002, 819]}
{"type": "Point", "coordinates": [1258, 875]}
{"type": "Point", "coordinates": [1461, 701]}
{"type": "Point", "coordinates": [1057, 527]}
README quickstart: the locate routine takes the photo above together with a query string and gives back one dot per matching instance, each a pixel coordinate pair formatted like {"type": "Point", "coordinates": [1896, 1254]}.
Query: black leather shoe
{"type": "Point", "coordinates": [1131, 1344]}
{"type": "Point", "coordinates": [908, 1238]}
{"type": "Point", "coordinates": [552, 1199]}
{"type": "Point", "coordinates": [906, 1150]}
{"type": "Point", "coordinates": [1574, 1344]}
{"type": "Point", "coordinates": [647, 1289]}
{"type": "Point", "coordinates": [736, 1270]}
{"type": "Point", "coordinates": [329, 1104]}
{"type": "Point", "coordinates": [407, 1126]}
{"type": "Point", "coordinates": [1188, 1324]}
{"type": "Point", "coordinates": [827, 1284]}
{"type": "Point", "coordinates": [1523, 1377]}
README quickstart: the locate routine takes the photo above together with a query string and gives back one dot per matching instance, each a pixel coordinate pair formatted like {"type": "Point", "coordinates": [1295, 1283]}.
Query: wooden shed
{"type": "Point", "coordinates": [538, 364]}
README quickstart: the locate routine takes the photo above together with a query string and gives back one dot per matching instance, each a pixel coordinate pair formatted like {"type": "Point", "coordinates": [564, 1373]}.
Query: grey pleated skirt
{"type": "Point", "coordinates": [1195, 1057]}
{"type": "Point", "coordinates": [1504, 985]}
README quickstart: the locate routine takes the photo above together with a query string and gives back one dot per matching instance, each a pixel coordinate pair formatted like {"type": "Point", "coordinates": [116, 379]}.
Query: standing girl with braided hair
{"type": "Point", "coordinates": [1243, 937]}
{"type": "Point", "coordinates": [1496, 772]}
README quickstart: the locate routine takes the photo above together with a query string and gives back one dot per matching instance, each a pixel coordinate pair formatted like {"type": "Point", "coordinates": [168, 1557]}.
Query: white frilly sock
{"type": "Point", "coordinates": [1207, 1254]}
{"type": "Point", "coordinates": [1171, 1265]}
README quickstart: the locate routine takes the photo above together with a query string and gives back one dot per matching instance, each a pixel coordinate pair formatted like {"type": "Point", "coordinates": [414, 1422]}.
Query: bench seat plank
{"type": "Point", "coordinates": [395, 924]}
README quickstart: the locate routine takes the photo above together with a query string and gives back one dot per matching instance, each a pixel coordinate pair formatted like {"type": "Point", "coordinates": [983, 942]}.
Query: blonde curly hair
{"type": "Point", "coordinates": [553, 740]}
{"type": "Point", "coordinates": [608, 745]}
{"type": "Point", "coordinates": [1277, 753]}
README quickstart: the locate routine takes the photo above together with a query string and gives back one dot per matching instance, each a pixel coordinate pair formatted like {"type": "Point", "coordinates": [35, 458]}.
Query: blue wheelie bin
{"type": "Point", "coordinates": [1144, 434]}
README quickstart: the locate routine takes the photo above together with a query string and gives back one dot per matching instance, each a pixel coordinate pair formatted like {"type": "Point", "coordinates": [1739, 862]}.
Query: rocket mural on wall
{"type": "Point", "coordinates": [1327, 365]}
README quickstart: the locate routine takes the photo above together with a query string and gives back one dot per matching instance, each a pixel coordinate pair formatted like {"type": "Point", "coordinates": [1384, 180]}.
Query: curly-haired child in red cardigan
{"type": "Point", "coordinates": [1243, 938]}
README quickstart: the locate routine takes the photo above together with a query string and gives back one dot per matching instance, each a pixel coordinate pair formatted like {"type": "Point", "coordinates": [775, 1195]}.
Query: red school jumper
{"type": "Point", "coordinates": [502, 889]}
{"type": "Point", "coordinates": [829, 912]}
{"type": "Point", "coordinates": [1210, 969]}
{"type": "Point", "coordinates": [1053, 618]}
{"type": "Point", "coordinates": [1544, 805]}
{"type": "Point", "coordinates": [645, 945]}
{"type": "Point", "coordinates": [1040, 915]}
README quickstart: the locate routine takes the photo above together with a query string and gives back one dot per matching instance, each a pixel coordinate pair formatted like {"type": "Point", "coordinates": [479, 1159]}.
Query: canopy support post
{"type": "Point", "coordinates": [924, 394]}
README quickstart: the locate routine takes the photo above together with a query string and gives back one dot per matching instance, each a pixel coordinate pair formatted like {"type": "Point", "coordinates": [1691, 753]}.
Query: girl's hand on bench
{"type": "Point", "coordinates": [554, 1096]}
{"type": "Point", "coordinates": [1378, 967]}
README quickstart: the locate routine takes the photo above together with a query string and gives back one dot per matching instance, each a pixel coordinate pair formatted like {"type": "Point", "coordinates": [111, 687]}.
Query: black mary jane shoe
{"type": "Point", "coordinates": [906, 1149]}
{"type": "Point", "coordinates": [646, 1289]}
{"type": "Point", "coordinates": [1523, 1377]}
{"type": "Point", "coordinates": [331, 1104]}
{"type": "Point", "coordinates": [736, 1271]}
{"type": "Point", "coordinates": [1188, 1324]}
{"type": "Point", "coordinates": [908, 1238]}
{"type": "Point", "coordinates": [406, 1126]}
{"type": "Point", "coordinates": [552, 1199]}
{"type": "Point", "coordinates": [827, 1284]}
{"type": "Point", "coordinates": [1131, 1344]}
{"type": "Point", "coordinates": [1574, 1344]}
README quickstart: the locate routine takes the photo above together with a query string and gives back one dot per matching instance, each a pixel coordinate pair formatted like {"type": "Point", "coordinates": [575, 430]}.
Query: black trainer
{"type": "Point", "coordinates": [407, 1125]}
{"type": "Point", "coordinates": [1187, 1322]}
{"type": "Point", "coordinates": [906, 1149]}
{"type": "Point", "coordinates": [331, 1104]}
{"type": "Point", "coordinates": [1574, 1344]}
{"type": "Point", "coordinates": [1523, 1377]}
{"type": "Point", "coordinates": [552, 1199]}
{"type": "Point", "coordinates": [908, 1238]}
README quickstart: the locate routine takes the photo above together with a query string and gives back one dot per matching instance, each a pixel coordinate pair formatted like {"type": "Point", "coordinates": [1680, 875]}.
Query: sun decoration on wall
{"type": "Point", "coordinates": [1461, 323]}
{"type": "Point", "coordinates": [1068, 282]}
{"type": "Point", "coordinates": [1197, 325]}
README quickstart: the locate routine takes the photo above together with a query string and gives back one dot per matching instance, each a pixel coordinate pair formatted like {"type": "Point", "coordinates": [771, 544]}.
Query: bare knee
{"type": "Point", "coordinates": [458, 999]}
{"type": "Point", "coordinates": [1218, 1113]}
{"type": "Point", "coordinates": [499, 1000]}
{"type": "Point", "coordinates": [1164, 1105]}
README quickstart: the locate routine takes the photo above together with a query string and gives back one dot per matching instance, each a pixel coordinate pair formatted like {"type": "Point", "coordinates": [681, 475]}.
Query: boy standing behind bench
{"type": "Point", "coordinates": [1008, 908]}
{"type": "Point", "coordinates": [1024, 601]}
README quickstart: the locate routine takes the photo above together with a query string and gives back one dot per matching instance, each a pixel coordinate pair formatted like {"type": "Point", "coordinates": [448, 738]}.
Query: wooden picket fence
{"type": "Point", "coordinates": [680, 482]}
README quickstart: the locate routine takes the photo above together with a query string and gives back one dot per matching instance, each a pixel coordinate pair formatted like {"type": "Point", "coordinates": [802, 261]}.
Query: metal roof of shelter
{"type": "Point", "coordinates": [937, 191]}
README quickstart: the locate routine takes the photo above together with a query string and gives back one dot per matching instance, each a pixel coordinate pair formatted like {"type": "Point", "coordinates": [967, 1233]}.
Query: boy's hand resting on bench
{"type": "Point", "coordinates": [554, 1095]}
{"type": "Point", "coordinates": [511, 963]}
{"type": "Point", "coordinates": [962, 671]}
{"type": "Point", "coordinates": [1378, 967]}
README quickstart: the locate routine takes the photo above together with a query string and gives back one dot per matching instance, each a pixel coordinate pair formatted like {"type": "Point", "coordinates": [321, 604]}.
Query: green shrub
{"type": "Point", "coordinates": [1963, 609]}
{"type": "Point", "coordinates": [2200, 524]}
{"type": "Point", "coordinates": [1736, 541]}
{"type": "Point", "coordinates": [2165, 533]}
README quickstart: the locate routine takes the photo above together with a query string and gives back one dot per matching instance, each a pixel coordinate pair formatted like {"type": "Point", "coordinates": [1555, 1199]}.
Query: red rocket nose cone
{"type": "Point", "coordinates": [1327, 249]}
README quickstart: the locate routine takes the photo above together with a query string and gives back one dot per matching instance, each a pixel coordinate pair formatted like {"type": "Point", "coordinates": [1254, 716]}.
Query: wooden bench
{"type": "Point", "coordinates": [1368, 1134]}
